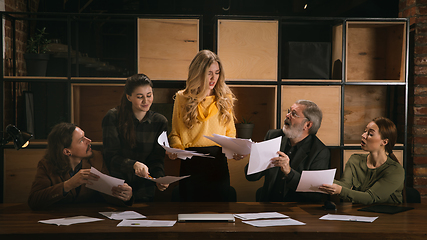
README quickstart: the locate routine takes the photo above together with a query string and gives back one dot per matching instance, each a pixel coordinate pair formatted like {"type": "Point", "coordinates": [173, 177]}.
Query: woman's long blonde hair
{"type": "Point", "coordinates": [198, 82]}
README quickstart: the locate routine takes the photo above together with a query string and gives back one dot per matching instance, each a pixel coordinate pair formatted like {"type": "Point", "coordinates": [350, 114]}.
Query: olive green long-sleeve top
{"type": "Point", "coordinates": [361, 184]}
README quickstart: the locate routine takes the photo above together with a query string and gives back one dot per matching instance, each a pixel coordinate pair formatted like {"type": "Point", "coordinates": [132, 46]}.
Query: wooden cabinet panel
{"type": "Point", "coordinates": [361, 105]}
{"type": "Point", "coordinates": [166, 47]}
{"type": "Point", "coordinates": [248, 49]}
{"type": "Point", "coordinates": [89, 109]}
{"type": "Point", "coordinates": [328, 98]}
{"type": "Point", "coordinates": [20, 169]}
{"type": "Point", "coordinates": [376, 51]}
{"type": "Point", "coordinates": [348, 153]}
{"type": "Point", "coordinates": [246, 191]}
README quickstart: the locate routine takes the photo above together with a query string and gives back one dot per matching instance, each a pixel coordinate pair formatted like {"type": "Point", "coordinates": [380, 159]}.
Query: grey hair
{"type": "Point", "coordinates": [313, 113]}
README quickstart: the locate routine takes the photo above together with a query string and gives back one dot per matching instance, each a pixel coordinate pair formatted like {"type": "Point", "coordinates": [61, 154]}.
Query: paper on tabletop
{"type": "Point", "coordinates": [123, 215]}
{"type": "Point", "coordinates": [262, 153]}
{"type": "Point", "coordinates": [310, 181]}
{"type": "Point", "coordinates": [145, 223]}
{"type": "Point", "coordinates": [105, 183]}
{"type": "Point", "coordinates": [70, 220]}
{"type": "Point", "coordinates": [275, 222]}
{"type": "Point", "coordinates": [265, 215]}
{"type": "Point", "coordinates": [182, 154]}
{"type": "Point", "coordinates": [348, 218]}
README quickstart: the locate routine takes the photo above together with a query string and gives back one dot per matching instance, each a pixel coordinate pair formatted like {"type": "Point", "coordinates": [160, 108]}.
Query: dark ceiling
{"type": "Point", "coordinates": [321, 8]}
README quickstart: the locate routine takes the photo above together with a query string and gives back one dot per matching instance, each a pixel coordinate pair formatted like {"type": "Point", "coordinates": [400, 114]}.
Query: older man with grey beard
{"type": "Point", "coordinates": [300, 150]}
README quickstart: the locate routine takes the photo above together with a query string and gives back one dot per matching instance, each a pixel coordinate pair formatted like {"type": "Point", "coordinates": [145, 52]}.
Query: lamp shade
{"type": "Point", "coordinates": [18, 137]}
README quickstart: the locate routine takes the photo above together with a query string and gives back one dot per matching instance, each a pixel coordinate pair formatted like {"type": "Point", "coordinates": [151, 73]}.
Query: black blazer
{"type": "Point", "coordinates": [312, 155]}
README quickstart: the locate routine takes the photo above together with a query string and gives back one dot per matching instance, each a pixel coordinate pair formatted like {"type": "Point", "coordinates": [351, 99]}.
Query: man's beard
{"type": "Point", "coordinates": [293, 131]}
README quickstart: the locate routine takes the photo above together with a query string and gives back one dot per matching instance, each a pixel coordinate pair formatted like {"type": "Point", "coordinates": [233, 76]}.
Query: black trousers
{"type": "Point", "coordinates": [209, 180]}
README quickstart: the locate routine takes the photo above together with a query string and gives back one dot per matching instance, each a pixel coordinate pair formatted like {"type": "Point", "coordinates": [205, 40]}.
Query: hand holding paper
{"type": "Point", "coordinates": [260, 153]}
{"type": "Point", "coordinates": [166, 179]}
{"type": "Point", "coordinates": [232, 145]}
{"type": "Point", "coordinates": [182, 154]}
{"type": "Point", "coordinates": [310, 181]}
{"type": "Point", "coordinates": [105, 182]}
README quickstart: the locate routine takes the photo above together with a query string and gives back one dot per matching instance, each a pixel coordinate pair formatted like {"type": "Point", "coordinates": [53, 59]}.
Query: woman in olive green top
{"type": "Point", "coordinates": [376, 177]}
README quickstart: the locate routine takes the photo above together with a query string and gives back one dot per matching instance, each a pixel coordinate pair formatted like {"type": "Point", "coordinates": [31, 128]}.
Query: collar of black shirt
{"type": "Point", "coordinates": [76, 169]}
{"type": "Point", "coordinates": [147, 118]}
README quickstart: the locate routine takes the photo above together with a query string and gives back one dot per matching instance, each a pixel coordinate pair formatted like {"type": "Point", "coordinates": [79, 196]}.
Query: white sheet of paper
{"type": "Point", "coordinates": [265, 215]}
{"type": "Point", "coordinates": [182, 154]}
{"type": "Point", "coordinates": [123, 215]}
{"type": "Point", "coordinates": [105, 183]}
{"type": "Point", "coordinates": [262, 153]}
{"type": "Point", "coordinates": [70, 220]}
{"type": "Point", "coordinates": [232, 145]}
{"type": "Point", "coordinates": [146, 223]}
{"type": "Point", "coordinates": [350, 218]}
{"type": "Point", "coordinates": [167, 179]}
{"type": "Point", "coordinates": [310, 181]}
{"type": "Point", "coordinates": [275, 222]}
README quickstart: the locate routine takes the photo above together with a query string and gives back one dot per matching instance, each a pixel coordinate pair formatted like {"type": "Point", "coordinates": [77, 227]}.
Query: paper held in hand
{"type": "Point", "coordinates": [310, 181]}
{"type": "Point", "coordinates": [167, 179]}
{"type": "Point", "coordinates": [105, 183]}
{"type": "Point", "coordinates": [182, 154]}
{"type": "Point", "coordinates": [260, 153]}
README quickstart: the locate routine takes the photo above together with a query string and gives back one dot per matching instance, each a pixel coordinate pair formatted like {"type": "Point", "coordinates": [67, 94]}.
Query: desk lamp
{"type": "Point", "coordinates": [20, 139]}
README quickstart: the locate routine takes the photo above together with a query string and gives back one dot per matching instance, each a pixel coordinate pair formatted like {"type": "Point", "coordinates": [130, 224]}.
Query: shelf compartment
{"type": "Point", "coordinates": [248, 49]}
{"type": "Point", "coordinates": [166, 47]}
{"type": "Point", "coordinates": [363, 103]}
{"type": "Point", "coordinates": [312, 50]}
{"type": "Point", "coordinates": [258, 105]}
{"type": "Point", "coordinates": [375, 51]}
{"type": "Point", "coordinates": [89, 109]}
{"type": "Point", "coordinates": [328, 98]}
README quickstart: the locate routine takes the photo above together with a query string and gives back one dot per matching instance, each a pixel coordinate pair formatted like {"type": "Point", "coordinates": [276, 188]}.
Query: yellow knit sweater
{"type": "Point", "coordinates": [181, 137]}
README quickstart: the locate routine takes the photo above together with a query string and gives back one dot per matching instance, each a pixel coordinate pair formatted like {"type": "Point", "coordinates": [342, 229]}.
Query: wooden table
{"type": "Point", "coordinates": [17, 221]}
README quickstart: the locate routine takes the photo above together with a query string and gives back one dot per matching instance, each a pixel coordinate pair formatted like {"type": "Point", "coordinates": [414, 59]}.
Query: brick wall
{"type": "Point", "coordinates": [416, 11]}
{"type": "Point", "coordinates": [21, 31]}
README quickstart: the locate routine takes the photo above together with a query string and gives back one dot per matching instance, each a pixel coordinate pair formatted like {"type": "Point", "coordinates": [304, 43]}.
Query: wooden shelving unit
{"type": "Point", "coordinates": [365, 69]}
{"type": "Point", "coordinates": [352, 68]}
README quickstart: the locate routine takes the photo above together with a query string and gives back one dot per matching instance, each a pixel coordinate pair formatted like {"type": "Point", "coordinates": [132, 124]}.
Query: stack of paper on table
{"type": "Point", "coordinates": [70, 220]}
{"type": "Point", "coordinates": [260, 153]}
{"type": "Point", "coordinates": [146, 223]}
{"type": "Point", "coordinates": [252, 216]}
{"type": "Point", "coordinates": [123, 215]}
{"type": "Point", "coordinates": [182, 154]}
{"type": "Point", "coordinates": [350, 218]}
{"type": "Point", "coordinates": [269, 219]}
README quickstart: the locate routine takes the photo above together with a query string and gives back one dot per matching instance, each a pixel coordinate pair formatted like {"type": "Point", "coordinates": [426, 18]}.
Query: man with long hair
{"type": "Point", "coordinates": [64, 172]}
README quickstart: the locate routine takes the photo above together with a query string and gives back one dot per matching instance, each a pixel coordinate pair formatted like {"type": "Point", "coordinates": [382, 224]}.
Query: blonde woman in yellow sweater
{"type": "Point", "coordinates": [204, 107]}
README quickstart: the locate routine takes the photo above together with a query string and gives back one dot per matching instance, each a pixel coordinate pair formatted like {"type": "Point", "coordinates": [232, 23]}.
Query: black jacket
{"type": "Point", "coordinates": [311, 155]}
